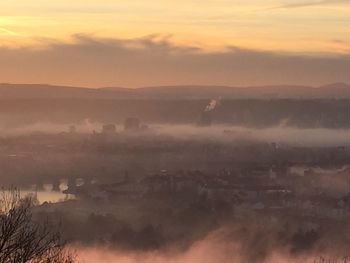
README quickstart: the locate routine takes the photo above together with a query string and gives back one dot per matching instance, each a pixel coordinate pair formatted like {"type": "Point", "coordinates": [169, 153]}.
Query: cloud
{"type": "Point", "coordinates": [154, 60]}
{"type": "Point", "coordinates": [341, 45]}
{"type": "Point", "coordinates": [308, 4]}
{"type": "Point", "coordinates": [7, 31]}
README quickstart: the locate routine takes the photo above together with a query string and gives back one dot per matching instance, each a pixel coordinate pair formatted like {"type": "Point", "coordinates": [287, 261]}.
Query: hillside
{"type": "Point", "coordinates": [42, 91]}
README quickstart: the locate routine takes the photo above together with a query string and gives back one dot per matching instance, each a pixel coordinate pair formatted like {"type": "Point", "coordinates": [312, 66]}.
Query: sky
{"type": "Point", "coordinates": [135, 43]}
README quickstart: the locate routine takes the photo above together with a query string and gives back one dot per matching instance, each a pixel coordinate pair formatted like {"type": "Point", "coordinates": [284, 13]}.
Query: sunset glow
{"type": "Point", "coordinates": [175, 131]}
{"type": "Point", "coordinates": [317, 26]}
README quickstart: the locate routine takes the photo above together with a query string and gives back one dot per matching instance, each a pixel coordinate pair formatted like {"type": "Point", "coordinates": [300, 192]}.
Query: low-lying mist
{"type": "Point", "coordinates": [85, 126]}
{"type": "Point", "coordinates": [277, 134]}
{"type": "Point", "coordinates": [204, 252]}
{"type": "Point", "coordinates": [280, 134]}
{"type": "Point", "coordinates": [218, 246]}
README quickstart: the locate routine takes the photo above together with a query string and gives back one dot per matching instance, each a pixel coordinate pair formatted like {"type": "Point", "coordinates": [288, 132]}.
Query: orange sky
{"type": "Point", "coordinates": [314, 27]}
{"type": "Point", "coordinates": [270, 24]}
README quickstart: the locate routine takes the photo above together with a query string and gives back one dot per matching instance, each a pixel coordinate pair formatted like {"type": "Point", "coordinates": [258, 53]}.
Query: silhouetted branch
{"type": "Point", "coordinates": [22, 240]}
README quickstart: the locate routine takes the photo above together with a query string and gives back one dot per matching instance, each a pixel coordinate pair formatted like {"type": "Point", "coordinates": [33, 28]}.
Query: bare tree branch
{"type": "Point", "coordinates": [22, 240]}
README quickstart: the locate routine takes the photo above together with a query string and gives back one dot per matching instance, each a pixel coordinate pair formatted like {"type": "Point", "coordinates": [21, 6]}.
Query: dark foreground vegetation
{"type": "Point", "coordinates": [22, 239]}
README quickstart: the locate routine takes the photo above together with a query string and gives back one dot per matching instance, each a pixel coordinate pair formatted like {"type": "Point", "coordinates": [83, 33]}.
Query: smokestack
{"type": "Point", "coordinates": [206, 116]}
{"type": "Point", "coordinates": [212, 105]}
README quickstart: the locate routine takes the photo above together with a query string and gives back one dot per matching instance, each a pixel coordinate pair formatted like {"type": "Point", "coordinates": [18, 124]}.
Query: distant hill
{"type": "Point", "coordinates": [42, 91]}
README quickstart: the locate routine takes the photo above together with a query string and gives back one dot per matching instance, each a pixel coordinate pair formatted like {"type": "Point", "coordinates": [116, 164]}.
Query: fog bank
{"type": "Point", "coordinates": [216, 247]}
{"type": "Point", "coordinates": [222, 133]}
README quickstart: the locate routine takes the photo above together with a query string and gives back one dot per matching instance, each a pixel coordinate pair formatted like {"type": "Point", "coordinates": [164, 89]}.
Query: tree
{"type": "Point", "coordinates": [22, 240]}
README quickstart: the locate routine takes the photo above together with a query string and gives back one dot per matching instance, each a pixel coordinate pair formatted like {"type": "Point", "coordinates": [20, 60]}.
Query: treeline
{"type": "Point", "coordinates": [301, 113]}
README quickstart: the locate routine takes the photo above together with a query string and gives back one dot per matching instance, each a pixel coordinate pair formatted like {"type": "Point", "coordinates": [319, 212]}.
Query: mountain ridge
{"type": "Point", "coordinates": [42, 91]}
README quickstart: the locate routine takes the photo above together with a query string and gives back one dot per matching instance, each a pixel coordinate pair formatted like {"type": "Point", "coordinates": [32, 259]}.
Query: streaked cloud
{"type": "Point", "coordinates": [7, 31]}
{"type": "Point", "coordinates": [300, 4]}
{"type": "Point", "coordinates": [207, 22]}
{"type": "Point", "coordinates": [154, 60]}
{"type": "Point", "coordinates": [195, 51]}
